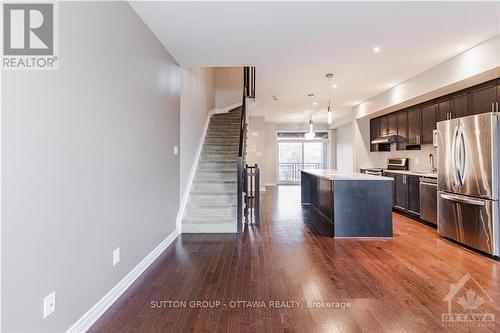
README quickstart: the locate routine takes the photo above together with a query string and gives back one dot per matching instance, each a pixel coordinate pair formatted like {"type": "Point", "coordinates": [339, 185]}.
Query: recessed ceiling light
{"type": "Point", "coordinates": [315, 103]}
{"type": "Point", "coordinates": [376, 49]}
{"type": "Point", "coordinates": [335, 86]}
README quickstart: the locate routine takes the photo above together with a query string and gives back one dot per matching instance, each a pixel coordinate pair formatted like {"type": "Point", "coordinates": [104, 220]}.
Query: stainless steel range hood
{"type": "Point", "coordinates": [384, 139]}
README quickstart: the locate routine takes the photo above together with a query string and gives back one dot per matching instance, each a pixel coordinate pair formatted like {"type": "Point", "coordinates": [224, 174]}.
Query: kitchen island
{"type": "Point", "coordinates": [357, 205]}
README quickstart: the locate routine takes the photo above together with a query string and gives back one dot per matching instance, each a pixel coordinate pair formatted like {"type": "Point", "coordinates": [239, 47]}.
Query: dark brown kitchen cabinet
{"type": "Point", "coordinates": [428, 122]}
{"type": "Point", "coordinates": [383, 126]}
{"type": "Point", "coordinates": [392, 124]}
{"type": "Point", "coordinates": [443, 109]}
{"type": "Point", "coordinates": [373, 133]}
{"type": "Point", "coordinates": [402, 131]}
{"type": "Point", "coordinates": [459, 104]}
{"type": "Point", "coordinates": [393, 176]}
{"type": "Point", "coordinates": [400, 191]}
{"type": "Point", "coordinates": [413, 194]}
{"type": "Point", "coordinates": [498, 95]}
{"type": "Point", "coordinates": [406, 192]}
{"type": "Point", "coordinates": [483, 98]}
{"type": "Point", "coordinates": [414, 126]}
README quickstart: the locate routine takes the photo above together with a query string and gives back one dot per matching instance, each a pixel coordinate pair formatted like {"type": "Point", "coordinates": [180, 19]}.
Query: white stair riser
{"type": "Point", "coordinates": [214, 187]}
{"type": "Point", "coordinates": [215, 175]}
{"type": "Point", "coordinates": [209, 228]}
{"type": "Point", "coordinates": [222, 139]}
{"type": "Point", "coordinates": [219, 155]}
{"type": "Point", "coordinates": [204, 214]}
{"type": "Point", "coordinates": [215, 198]}
{"type": "Point", "coordinates": [208, 166]}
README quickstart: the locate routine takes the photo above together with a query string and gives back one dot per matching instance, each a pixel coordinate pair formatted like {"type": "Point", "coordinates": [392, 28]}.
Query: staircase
{"type": "Point", "coordinates": [212, 202]}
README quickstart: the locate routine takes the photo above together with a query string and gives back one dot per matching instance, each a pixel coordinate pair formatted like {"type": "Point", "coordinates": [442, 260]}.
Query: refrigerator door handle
{"type": "Point", "coordinates": [459, 157]}
{"type": "Point", "coordinates": [462, 199]}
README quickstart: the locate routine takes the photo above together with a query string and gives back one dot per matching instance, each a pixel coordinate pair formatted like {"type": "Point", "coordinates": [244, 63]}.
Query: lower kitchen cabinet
{"type": "Point", "coordinates": [406, 193]}
{"type": "Point", "coordinates": [413, 195]}
{"type": "Point", "coordinates": [400, 191]}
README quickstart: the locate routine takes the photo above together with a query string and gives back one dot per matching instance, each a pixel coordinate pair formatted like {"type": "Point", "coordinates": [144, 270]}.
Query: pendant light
{"type": "Point", "coordinates": [310, 135]}
{"type": "Point", "coordinates": [329, 76]}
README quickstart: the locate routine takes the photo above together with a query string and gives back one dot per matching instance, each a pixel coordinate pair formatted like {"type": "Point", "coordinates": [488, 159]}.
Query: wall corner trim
{"type": "Point", "coordinates": [95, 312]}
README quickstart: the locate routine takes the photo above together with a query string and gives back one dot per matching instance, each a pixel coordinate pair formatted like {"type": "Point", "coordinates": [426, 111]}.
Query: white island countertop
{"type": "Point", "coordinates": [332, 174]}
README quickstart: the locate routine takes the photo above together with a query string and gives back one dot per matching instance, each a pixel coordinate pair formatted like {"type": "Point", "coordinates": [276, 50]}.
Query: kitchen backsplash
{"type": "Point", "coordinates": [418, 159]}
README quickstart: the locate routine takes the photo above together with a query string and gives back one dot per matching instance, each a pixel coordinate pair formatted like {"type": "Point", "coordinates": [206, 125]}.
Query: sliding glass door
{"type": "Point", "coordinates": [300, 154]}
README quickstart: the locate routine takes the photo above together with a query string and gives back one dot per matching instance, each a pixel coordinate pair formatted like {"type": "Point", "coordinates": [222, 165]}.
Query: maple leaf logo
{"type": "Point", "coordinates": [470, 301]}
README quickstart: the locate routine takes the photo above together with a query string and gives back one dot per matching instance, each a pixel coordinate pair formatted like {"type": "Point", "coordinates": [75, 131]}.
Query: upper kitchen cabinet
{"type": "Point", "coordinates": [392, 123]}
{"type": "Point", "coordinates": [483, 98]}
{"type": "Point", "coordinates": [383, 126]}
{"type": "Point", "coordinates": [428, 122]}
{"type": "Point", "coordinates": [402, 131]}
{"type": "Point", "coordinates": [388, 125]}
{"type": "Point", "coordinates": [374, 128]}
{"type": "Point", "coordinates": [498, 95]}
{"type": "Point", "coordinates": [443, 109]}
{"type": "Point", "coordinates": [459, 104]}
{"type": "Point", "coordinates": [414, 127]}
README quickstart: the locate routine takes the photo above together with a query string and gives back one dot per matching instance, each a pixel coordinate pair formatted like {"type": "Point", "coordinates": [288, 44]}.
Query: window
{"type": "Point", "coordinates": [296, 153]}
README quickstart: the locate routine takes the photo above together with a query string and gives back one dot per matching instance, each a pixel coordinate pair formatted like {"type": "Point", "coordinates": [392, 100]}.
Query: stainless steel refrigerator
{"type": "Point", "coordinates": [468, 166]}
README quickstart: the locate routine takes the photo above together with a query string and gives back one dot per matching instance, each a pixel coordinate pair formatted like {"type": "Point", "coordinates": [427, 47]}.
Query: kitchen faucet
{"type": "Point", "coordinates": [431, 161]}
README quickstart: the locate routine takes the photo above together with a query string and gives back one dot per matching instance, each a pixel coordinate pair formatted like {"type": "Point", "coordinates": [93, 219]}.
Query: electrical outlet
{"type": "Point", "coordinates": [116, 256]}
{"type": "Point", "coordinates": [176, 150]}
{"type": "Point", "coordinates": [49, 304]}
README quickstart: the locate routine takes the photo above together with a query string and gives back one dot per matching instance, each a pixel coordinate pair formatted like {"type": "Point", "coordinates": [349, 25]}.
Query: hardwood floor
{"type": "Point", "coordinates": [396, 285]}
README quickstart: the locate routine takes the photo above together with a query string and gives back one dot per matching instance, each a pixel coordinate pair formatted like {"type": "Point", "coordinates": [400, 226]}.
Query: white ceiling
{"type": "Point", "coordinates": [294, 44]}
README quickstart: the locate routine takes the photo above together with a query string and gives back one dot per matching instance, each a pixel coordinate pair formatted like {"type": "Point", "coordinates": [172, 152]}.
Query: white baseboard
{"type": "Point", "coordinates": [92, 315]}
{"type": "Point", "coordinates": [187, 190]}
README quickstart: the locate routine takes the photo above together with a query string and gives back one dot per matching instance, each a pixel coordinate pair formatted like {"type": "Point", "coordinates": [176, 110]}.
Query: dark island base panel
{"type": "Point", "coordinates": [355, 208]}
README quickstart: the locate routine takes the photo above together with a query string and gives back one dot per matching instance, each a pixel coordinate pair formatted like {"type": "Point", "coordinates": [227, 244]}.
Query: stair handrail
{"type": "Point", "coordinates": [248, 91]}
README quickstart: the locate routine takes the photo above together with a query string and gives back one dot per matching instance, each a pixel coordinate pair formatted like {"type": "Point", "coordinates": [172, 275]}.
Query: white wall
{"type": "Point", "coordinates": [471, 67]}
{"type": "Point", "coordinates": [262, 145]}
{"type": "Point", "coordinates": [344, 148]}
{"type": "Point", "coordinates": [87, 165]}
{"type": "Point", "coordinates": [229, 86]}
{"type": "Point", "coordinates": [197, 99]}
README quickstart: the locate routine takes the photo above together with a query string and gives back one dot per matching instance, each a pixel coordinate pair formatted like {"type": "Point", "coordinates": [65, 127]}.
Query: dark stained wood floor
{"type": "Point", "coordinates": [393, 285]}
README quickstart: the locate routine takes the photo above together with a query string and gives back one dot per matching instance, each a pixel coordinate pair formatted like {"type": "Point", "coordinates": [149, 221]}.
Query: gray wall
{"type": "Point", "coordinates": [88, 165]}
{"type": "Point", "coordinates": [197, 99]}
